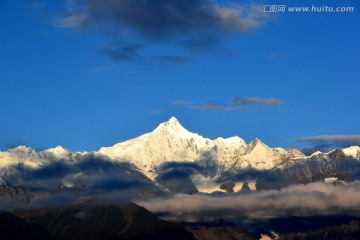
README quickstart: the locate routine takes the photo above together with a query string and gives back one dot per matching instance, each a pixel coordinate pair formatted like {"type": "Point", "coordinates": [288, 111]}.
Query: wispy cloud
{"type": "Point", "coordinates": [174, 59]}
{"type": "Point", "coordinates": [256, 101]}
{"type": "Point", "coordinates": [121, 51]}
{"type": "Point", "coordinates": [209, 106]}
{"type": "Point", "coordinates": [236, 108]}
{"type": "Point", "coordinates": [132, 52]}
{"type": "Point", "coordinates": [158, 111]}
{"type": "Point", "coordinates": [326, 143]}
{"type": "Point", "coordinates": [237, 104]}
{"type": "Point", "coordinates": [193, 25]}
{"type": "Point", "coordinates": [182, 102]}
{"type": "Point", "coordinates": [101, 69]}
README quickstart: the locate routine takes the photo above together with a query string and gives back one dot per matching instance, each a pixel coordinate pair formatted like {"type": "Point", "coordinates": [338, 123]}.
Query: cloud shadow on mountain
{"type": "Point", "coordinates": [92, 173]}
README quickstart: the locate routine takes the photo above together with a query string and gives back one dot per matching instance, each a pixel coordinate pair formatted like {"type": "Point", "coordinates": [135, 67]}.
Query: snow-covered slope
{"type": "Point", "coordinates": [208, 163]}
{"type": "Point", "coordinates": [21, 155]}
{"type": "Point", "coordinates": [31, 158]}
{"type": "Point", "coordinates": [259, 156]}
{"type": "Point", "coordinates": [353, 151]}
{"type": "Point", "coordinates": [170, 141]}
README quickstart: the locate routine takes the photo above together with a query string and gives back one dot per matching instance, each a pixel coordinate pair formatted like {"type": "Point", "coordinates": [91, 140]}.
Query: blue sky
{"type": "Point", "coordinates": [86, 74]}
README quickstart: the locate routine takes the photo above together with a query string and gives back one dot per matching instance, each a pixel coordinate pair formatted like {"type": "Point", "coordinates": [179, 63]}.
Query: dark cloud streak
{"type": "Point", "coordinates": [159, 20]}
{"type": "Point", "coordinates": [237, 104]}
{"type": "Point", "coordinates": [325, 143]}
{"type": "Point", "coordinates": [124, 53]}
{"type": "Point", "coordinates": [208, 106]}
{"type": "Point", "coordinates": [340, 139]}
{"type": "Point", "coordinates": [196, 26]}
{"type": "Point", "coordinates": [174, 59]}
{"type": "Point", "coordinates": [256, 101]}
{"type": "Point", "coordinates": [181, 102]}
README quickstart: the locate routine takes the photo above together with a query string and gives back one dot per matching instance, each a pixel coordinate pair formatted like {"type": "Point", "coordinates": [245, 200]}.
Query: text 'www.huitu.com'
{"type": "Point", "coordinates": [305, 9]}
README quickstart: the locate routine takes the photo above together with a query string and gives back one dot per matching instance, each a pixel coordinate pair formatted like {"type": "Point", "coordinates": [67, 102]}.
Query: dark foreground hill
{"type": "Point", "coordinates": [219, 231]}
{"type": "Point", "coordinates": [12, 227]}
{"type": "Point", "coordinates": [92, 220]}
{"type": "Point", "coordinates": [315, 227]}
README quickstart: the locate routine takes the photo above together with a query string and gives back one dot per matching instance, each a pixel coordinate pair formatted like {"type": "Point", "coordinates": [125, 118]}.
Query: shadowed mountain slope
{"type": "Point", "coordinates": [92, 220]}
{"type": "Point", "coordinates": [12, 227]}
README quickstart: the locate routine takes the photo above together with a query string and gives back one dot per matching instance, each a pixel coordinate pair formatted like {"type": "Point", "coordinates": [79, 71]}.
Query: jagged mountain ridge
{"type": "Point", "coordinates": [170, 141]}
{"type": "Point", "coordinates": [171, 149]}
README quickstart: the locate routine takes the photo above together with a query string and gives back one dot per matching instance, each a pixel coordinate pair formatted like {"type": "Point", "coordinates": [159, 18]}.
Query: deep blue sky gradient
{"type": "Point", "coordinates": [57, 88]}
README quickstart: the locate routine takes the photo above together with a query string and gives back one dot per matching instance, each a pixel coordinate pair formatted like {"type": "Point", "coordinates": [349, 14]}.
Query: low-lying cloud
{"type": "Point", "coordinates": [325, 143]}
{"type": "Point", "coordinates": [339, 139]}
{"type": "Point", "coordinates": [90, 171]}
{"type": "Point", "coordinates": [298, 200]}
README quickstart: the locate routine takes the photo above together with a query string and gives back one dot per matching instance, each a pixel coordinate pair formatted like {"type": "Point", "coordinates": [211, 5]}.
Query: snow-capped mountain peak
{"type": "Point", "coordinates": [21, 149]}
{"type": "Point", "coordinates": [177, 134]}
{"type": "Point", "coordinates": [260, 156]}
{"type": "Point", "coordinates": [21, 155]}
{"type": "Point", "coordinates": [173, 127]}
{"type": "Point", "coordinates": [173, 121]}
{"type": "Point", "coordinates": [170, 141]}
{"type": "Point", "coordinates": [23, 152]}
{"type": "Point", "coordinates": [169, 145]}
{"type": "Point", "coordinates": [315, 153]}
{"type": "Point", "coordinates": [231, 141]}
{"type": "Point", "coordinates": [353, 151]}
{"type": "Point", "coordinates": [57, 152]}
{"type": "Point", "coordinates": [258, 145]}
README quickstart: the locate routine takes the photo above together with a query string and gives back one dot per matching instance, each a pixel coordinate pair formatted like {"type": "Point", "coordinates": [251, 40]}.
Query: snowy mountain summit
{"type": "Point", "coordinates": [170, 141]}
{"type": "Point", "coordinates": [172, 159]}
